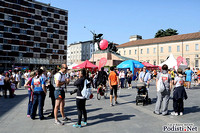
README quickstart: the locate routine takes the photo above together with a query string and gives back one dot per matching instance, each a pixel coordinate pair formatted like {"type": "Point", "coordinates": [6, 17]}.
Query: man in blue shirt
{"type": "Point", "coordinates": [188, 73]}
{"type": "Point", "coordinates": [145, 77]}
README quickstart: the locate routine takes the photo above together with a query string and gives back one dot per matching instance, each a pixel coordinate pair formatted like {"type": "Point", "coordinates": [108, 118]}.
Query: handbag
{"type": "Point", "coordinates": [160, 85]}
{"type": "Point", "coordinates": [86, 92]}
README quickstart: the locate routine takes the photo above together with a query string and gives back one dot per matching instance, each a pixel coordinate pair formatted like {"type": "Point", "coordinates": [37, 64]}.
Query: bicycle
{"type": "Point", "coordinates": [101, 91]}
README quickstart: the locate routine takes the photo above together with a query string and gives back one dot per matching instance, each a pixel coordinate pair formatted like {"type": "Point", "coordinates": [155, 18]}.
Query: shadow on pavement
{"type": "Point", "coordinates": [194, 109]}
{"type": "Point", "coordinates": [107, 117]}
{"type": "Point", "coordinates": [9, 103]}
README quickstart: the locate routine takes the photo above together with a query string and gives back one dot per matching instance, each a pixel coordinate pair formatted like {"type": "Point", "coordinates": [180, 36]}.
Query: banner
{"type": "Point", "coordinates": [102, 62]}
{"type": "Point", "coordinates": [179, 60]}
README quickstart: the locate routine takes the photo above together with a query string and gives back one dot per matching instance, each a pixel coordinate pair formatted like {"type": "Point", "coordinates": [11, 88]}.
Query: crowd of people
{"type": "Point", "coordinates": [37, 83]}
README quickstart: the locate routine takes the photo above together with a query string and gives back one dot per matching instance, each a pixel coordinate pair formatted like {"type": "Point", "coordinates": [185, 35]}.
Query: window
{"type": "Point", "coordinates": [147, 50]}
{"type": "Point", "coordinates": [135, 51]}
{"type": "Point", "coordinates": [196, 63]}
{"type": "Point", "coordinates": [154, 62]}
{"type": "Point", "coordinates": [124, 52]}
{"type": "Point", "coordinates": [129, 52]}
{"type": "Point", "coordinates": [196, 46]}
{"type": "Point", "coordinates": [141, 50]}
{"type": "Point", "coordinates": [169, 49]}
{"type": "Point", "coordinates": [147, 61]}
{"type": "Point", "coordinates": [188, 61]}
{"type": "Point", "coordinates": [187, 48]}
{"type": "Point", "coordinates": [37, 33]}
{"type": "Point", "coordinates": [1, 35]}
{"type": "Point", "coordinates": [154, 50]}
{"type": "Point", "coordinates": [1, 47]}
{"type": "Point", "coordinates": [178, 48]}
{"type": "Point", "coordinates": [14, 48]}
{"type": "Point", "coordinates": [161, 49]}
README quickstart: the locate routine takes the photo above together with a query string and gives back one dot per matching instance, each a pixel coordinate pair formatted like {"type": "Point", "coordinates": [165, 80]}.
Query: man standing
{"type": "Point", "coordinates": [145, 77]}
{"type": "Point", "coordinates": [60, 81]}
{"type": "Point", "coordinates": [163, 96]}
{"type": "Point", "coordinates": [113, 83]}
{"type": "Point", "coordinates": [189, 73]}
{"type": "Point", "coordinates": [126, 78]}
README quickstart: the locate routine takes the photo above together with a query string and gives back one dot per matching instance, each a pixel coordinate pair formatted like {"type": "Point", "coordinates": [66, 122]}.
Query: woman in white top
{"type": "Point", "coordinates": [122, 78]}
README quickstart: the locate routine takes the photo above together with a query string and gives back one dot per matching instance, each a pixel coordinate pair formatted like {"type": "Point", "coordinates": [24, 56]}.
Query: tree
{"type": "Point", "coordinates": [167, 32]}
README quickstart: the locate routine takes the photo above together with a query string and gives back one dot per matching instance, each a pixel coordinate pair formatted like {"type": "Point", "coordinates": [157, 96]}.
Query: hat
{"type": "Point", "coordinates": [29, 70]}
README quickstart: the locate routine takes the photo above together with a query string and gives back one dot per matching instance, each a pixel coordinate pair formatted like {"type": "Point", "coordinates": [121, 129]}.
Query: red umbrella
{"type": "Point", "coordinates": [85, 64]}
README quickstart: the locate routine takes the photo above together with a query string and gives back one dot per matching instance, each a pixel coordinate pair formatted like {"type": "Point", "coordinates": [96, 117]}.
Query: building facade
{"type": "Point", "coordinates": [81, 51]}
{"type": "Point", "coordinates": [32, 34]}
{"type": "Point", "coordinates": [156, 50]}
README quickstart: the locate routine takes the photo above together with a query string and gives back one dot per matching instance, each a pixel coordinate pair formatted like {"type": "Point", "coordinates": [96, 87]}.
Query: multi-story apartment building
{"type": "Point", "coordinates": [81, 51]}
{"type": "Point", "coordinates": [156, 50]}
{"type": "Point", "coordinates": [32, 34]}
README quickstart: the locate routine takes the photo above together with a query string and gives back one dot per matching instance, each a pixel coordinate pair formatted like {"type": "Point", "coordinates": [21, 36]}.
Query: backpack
{"type": "Point", "coordinates": [86, 92]}
{"type": "Point", "coordinates": [160, 85]}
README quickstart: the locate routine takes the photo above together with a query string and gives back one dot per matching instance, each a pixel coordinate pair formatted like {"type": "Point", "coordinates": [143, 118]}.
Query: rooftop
{"type": "Point", "coordinates": [175, 38]}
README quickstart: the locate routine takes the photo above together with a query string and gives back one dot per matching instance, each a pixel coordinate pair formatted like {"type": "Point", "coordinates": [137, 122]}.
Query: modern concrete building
{"type": "Point", "coordinates": [156, 50]}
{"type": "Point", "coordinates": [32, 34]}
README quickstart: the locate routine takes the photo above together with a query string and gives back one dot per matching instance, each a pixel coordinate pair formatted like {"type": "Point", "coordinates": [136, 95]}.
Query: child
{"type": "Point", "coordinates": [179, 94]}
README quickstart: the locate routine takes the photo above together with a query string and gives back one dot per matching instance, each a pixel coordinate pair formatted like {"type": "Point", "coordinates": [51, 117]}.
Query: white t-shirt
{"type": "Point", "coordinates": [2, 80]}
{"type": "Point", "coordinates": [61, 77]}
{"type": "Point", "coordinates": [121, 75]}
{"type": "Point", "coordinates": [49, 74]}
{"type": "Point", "coordinates": [179, 81]}
{"type": "Point", "coordinates": [44, 77]}
{"type": "Point", "coordinates": [16, 77]}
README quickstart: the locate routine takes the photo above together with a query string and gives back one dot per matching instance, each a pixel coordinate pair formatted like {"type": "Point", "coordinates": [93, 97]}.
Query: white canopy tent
{"type": "Point", "coordinates": [171, 62]}
{"type": "Point", "coordinates": [72, 65]}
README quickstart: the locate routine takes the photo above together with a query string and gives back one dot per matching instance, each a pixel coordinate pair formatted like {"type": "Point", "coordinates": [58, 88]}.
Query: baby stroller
{"type": "Point", "coordinates": [142, 95]}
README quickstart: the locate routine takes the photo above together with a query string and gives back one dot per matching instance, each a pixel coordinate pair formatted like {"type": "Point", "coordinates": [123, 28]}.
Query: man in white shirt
{"type": "Point", "coordinates": [60, 81]}
{"type": "Point", "coordinates": [16, 78]}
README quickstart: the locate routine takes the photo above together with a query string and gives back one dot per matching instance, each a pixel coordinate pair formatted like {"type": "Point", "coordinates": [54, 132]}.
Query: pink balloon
{"type": "Point", "coordinates": [103, 44]}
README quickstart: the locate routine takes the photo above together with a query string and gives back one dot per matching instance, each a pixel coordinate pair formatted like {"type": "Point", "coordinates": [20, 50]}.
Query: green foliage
{"type": "Point", "coordinates": [167, 32]}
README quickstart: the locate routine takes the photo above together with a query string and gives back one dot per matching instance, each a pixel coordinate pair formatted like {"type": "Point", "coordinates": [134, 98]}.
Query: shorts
{"type": "Point", "coordinates": [114, 88]}
{"type": "Point", "coordinates": [59, 94]}
{"type": "Point", "coordinates": [172, 78]}
{"type": "Point", "coordinates": [154, 76]}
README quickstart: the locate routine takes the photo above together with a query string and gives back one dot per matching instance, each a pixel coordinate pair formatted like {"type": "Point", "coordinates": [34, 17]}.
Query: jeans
{"type": "Point", "coordinates": [80, 103]}
{"type": "Point", "coordinates": [30, 102]}
{"type": "Point", "coordinates": [122, 82]}
{"type": "Point", "coordinates": [38, 100]}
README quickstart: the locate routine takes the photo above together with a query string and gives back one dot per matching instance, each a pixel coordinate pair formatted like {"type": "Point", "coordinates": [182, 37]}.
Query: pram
{"type": "Point", "coordinates": [142, 95]}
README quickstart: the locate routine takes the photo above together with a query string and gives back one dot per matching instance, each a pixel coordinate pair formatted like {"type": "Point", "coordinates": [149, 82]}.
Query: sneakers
{"type": "Point", "coordinates": [116, 102]}
{"type": "Point", "coordinates": [57, 122]}
{"type": "Point", "coordinates": [174, 113]}
{"type": "Point", "coordinates": [28, 116]}
{"type": "Point", "coordinates": [76, 125]}
{"type": "Point", "coordinates": [111, 105]}
{"type": "Point", "coordinates": [84, 123]}
{"type": "Point", "coordinates": [66, 119]}
{"type": "Point", "coordinates": [181, 113]}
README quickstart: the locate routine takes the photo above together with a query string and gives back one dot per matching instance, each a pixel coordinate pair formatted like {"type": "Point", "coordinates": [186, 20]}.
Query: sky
{"type": "Point", "coordinates": [117, 20]}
